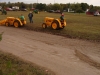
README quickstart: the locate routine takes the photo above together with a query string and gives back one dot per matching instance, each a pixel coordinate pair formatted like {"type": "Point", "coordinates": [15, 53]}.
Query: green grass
{"type": "Point", "coordinates": [83, 27]}
{"type": "Point", "coordinates": [12, 65]}
{"type": "Point", "coordinates": [79, 26]}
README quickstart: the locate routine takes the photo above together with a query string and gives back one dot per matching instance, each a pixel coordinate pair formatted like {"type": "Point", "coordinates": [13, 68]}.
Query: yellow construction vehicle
{"type": "Point", "coordinates": [12, 21]}
{"type": "Point", "coordinates": [54, 23]}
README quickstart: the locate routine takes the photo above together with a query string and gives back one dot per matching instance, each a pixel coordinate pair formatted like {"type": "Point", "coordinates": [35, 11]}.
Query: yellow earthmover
{"type": "Point", "coordinates": [16, 22]}
{"type": "Point", "coordinates": [53, 23]}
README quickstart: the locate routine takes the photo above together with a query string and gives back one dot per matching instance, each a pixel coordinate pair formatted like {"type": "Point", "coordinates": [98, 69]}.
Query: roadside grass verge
{"type": "Point", "coordinates": [12, 65]}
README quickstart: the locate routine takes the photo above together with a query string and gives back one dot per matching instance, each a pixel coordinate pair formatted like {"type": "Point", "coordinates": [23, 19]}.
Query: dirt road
{"type": "Point", "coordinates": [56, 53]}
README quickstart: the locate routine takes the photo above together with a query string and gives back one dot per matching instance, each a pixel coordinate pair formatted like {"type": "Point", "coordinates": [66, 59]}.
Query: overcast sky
{"type": "Point", "coordinates": [93, 2]}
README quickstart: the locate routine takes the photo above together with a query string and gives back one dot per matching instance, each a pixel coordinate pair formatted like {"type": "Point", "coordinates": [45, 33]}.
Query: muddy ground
{"type": "Point", "coordinates": [62, 55]}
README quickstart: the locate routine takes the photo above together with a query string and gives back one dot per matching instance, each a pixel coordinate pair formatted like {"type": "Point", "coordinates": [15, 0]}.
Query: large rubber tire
{"type": "Point", "coordinates": [16, 23]}
{"type": "Point", "coordinates": [55, 24]}
{"type": "Point", "coordinates": [7, 24]}
{"type": "Point", "coordinates": [44, 26]}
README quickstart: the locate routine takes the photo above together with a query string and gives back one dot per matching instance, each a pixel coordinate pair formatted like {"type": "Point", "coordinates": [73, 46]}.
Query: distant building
{"type": "Point", "coordinates": [70, 10]}
{"type": "Point", "coordinates": [14, 8]}
{"type": "Point", "coordinates": [93, 12]}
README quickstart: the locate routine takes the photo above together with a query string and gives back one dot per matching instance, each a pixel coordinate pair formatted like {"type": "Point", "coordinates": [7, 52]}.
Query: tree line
{"type": "Point", "coordinates": [76, 7]}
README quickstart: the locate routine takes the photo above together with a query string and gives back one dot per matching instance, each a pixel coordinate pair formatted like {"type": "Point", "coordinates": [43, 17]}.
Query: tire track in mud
{"type": "Point", "coordinates": [87, 59]}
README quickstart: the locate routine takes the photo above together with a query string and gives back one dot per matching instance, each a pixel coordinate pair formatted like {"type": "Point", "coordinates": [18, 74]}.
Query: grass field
{"type": "Point", "coordinates": [79, 26]}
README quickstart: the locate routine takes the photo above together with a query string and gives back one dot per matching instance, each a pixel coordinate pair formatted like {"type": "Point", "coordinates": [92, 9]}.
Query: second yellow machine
{"type": "Point", "coordinates": [54, 23]}
{"type": "Point", "coordinates": [12, 21]}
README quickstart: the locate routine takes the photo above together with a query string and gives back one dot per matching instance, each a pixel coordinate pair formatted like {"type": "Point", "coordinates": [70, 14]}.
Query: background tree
{"type": "Point", "coordinates": [22, 5]}
{"type": "Point", "coordinates": [56, 6]}
{"type": "Point", "coordinates": [91, 7]}
{"type": "Point", "coordinates": [61, 7]}
{"type": "Point", "coordinates": [49, 7]}
{"type": "Point", "coordinates": [9, 5]}
{"type": "Point", "coordinates": [3, 4]}
{"type": "Point", "coordinates": [84, 6]}
{"type": "Point", "coordinates": [67, 6]}
{"type": "Point", "coordinates": [97, 7]}
{"type": "Point", "coordinates": [79, 10]}
{"type": "Point", "coordinates": [41, 6]}
{"type": "Point", "coordinates": [74, 6]}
